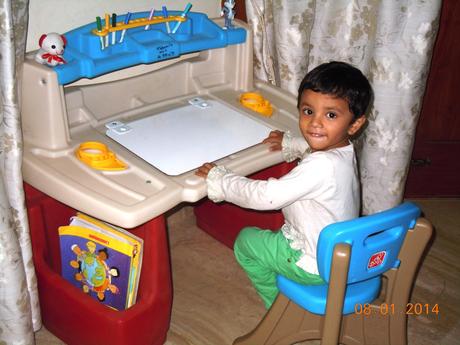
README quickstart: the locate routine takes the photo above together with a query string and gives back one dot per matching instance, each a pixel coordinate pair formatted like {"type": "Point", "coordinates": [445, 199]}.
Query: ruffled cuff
{"type": "Point", "coordinates": [214, 183]}
{"type": "Point", "coordinates": [289, 154]}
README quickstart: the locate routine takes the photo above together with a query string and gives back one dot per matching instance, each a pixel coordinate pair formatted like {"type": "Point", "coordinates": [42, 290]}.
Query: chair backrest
{"type": "Point", "coordinates": [375, 241]}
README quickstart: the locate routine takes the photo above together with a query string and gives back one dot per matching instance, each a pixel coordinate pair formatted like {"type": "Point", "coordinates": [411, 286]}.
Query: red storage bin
{"type": "Point", "coordinates": [76, 318]}
{"type": "Point", "coordinates": [223, 221]}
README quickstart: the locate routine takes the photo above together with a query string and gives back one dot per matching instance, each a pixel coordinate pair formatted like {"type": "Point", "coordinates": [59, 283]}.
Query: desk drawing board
{"type": "Point", "coordinates": [182, 139]}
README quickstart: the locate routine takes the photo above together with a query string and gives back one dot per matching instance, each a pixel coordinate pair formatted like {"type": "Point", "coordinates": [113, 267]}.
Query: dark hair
{"type": "Point", "coordinates": [342, 80]}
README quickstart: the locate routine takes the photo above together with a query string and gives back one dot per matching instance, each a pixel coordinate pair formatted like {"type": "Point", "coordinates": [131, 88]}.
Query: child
{"type": "Point", "coordinates": [322, 189]}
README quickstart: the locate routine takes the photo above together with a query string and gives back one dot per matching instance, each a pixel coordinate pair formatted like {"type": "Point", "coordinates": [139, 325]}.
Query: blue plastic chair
{"type": "Point", "coordinates": [369, 265]}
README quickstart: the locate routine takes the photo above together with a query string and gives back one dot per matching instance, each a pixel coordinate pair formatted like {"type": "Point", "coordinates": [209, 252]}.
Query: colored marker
{"type": "Point", "coordinates": [99, 29]}
{"type": "Point", "coordinates": [152, 11]}
{"type": "Point", "coordinates": [114, 24]}
{"type": "Point", "coordinates": [107, 25]}
{"type": "Point", "coordinates": [128, 15]}
{"type": "Point", "coordinates": [183, 14]}
{"type": "Point", "coordinates": [165, 15]}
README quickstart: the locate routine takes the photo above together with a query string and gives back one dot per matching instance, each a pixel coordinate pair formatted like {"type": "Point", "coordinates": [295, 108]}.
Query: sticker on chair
{"type": "Point", "coordinates": [376, 259]}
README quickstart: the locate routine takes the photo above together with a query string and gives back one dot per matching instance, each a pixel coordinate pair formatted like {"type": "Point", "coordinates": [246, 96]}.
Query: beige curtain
{"type": "Point", "coordinates": [19, 308]}
{"type": "Point", "coordinates": [391, 41]}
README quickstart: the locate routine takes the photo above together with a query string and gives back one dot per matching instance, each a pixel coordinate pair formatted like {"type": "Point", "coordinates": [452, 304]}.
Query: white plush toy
{"type": "Point", "coordinates": [51, 49]}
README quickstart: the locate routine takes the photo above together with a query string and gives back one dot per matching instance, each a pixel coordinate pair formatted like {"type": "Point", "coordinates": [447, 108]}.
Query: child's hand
{"type": "Point", "coordinates": [274, 139]}
{"type": "Point", "coordinates": [204, 169]}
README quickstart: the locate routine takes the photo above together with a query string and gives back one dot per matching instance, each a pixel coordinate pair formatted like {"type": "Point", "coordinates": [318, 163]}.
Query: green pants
{"type": "Point", "coordinates": [264, 254]}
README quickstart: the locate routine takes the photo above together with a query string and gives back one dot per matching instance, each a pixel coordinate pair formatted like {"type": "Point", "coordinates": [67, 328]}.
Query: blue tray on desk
{"type": "Point", "coordinates": [86, 59]}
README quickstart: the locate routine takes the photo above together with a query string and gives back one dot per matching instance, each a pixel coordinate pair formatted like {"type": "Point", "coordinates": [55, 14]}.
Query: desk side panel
{"type": "Point", "coordinates": [44, 115]}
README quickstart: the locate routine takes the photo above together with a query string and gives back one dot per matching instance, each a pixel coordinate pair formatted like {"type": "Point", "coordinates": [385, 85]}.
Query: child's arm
{"type": "Point", "coordinates": [292, 147]}
{"type": "Point", "coordinates": [303, 181]}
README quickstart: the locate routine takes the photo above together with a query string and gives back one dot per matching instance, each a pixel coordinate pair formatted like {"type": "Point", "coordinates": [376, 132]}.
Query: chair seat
{"type": "Point", "coordinates": [313, 297]}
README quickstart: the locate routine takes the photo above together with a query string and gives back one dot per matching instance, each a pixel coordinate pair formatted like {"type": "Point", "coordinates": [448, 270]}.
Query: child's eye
{"type": "Point", "coordinates": [331, 115]}
{"type": "Point", "coordinates": [307, 111]}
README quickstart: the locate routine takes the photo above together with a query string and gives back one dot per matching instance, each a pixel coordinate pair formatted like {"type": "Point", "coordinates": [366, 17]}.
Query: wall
{"type": "Point", "coordinates": [63, 15]}
{"type": "Point", "coordinates": [434, 168]}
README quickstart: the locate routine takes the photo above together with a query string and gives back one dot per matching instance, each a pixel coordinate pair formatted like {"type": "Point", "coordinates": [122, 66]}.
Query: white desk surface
{"type": "Point", "coordinates": [182, 139]}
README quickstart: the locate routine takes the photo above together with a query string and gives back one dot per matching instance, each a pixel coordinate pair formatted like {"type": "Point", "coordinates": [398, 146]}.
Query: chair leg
{"type": "Point", "coordinates": [372, 329]}
{"type": "Point", "coordinates": [410, 255]}
{"type": "Point", "coordinates": [335, 296]}
{"type": "Point", "coordinates": [283, 324]}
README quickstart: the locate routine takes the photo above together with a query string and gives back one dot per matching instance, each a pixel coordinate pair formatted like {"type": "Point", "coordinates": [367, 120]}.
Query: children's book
{"type": "Point", "coordinates": [102, 260]}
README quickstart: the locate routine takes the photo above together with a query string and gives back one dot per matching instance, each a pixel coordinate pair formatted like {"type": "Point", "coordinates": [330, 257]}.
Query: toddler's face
{"type": "Point", "coordinates": [326, 121]}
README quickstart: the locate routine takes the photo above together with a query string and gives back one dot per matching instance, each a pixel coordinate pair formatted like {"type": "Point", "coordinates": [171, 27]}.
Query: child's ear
{"type": "Point", "coordinates": [356, 125]}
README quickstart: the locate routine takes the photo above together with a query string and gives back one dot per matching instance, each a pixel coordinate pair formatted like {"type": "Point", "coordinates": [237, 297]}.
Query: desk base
{"type": "Point", "coordinates": [78, 319]}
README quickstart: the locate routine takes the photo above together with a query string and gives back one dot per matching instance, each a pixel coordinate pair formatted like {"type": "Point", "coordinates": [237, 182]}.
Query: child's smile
{"type": "Point", "coordinates": [326, 121]}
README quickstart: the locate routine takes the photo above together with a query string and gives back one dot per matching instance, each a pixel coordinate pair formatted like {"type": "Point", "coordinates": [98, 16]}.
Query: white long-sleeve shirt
{"type": "Point", "coordinates": [322, 189]}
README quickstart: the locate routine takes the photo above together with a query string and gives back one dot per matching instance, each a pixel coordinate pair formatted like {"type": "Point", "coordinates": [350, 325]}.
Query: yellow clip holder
{"type": "Point", "coordinates": [256, 102]}
{"type": "Point", "coordinates": [98, 156]}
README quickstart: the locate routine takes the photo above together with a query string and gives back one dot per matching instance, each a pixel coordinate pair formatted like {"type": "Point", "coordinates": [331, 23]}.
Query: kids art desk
{"type": "Point", "coordinates": [177, 95]}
